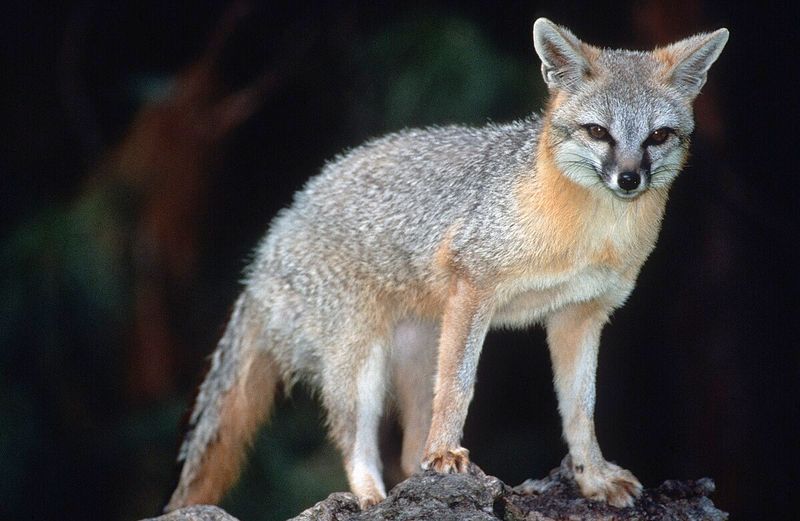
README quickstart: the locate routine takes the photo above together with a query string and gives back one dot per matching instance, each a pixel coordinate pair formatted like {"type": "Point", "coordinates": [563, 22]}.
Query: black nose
{"type": "Point", "coordinates": [629, 181]}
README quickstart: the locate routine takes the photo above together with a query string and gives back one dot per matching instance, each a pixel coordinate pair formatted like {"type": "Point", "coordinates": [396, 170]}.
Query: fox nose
{"type": "Point", "coordinates": [629, 181]}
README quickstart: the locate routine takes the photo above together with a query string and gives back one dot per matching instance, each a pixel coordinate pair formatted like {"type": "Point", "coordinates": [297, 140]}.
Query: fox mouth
{"type": "Point", "coordinates": [627, 195]}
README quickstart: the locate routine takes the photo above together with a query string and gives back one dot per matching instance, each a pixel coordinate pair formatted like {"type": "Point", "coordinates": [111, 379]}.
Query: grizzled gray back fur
{"type": "Point", "coordinates": [380, 212]}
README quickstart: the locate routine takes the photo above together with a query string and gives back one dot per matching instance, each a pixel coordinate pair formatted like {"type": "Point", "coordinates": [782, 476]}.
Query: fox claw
{"type": "Point", "coordinates": [448, 461]}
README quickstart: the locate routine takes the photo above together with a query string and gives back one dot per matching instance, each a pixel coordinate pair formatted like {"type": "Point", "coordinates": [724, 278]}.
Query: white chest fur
{"type": "Point", "coordinates": [526, 300]}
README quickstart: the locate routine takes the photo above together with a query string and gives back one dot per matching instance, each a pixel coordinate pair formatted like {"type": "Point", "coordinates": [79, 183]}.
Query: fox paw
{"type": "Point", "coordinates": [366, 501]}
{"type": "Point", "coordinates": [366, 485]}
{"type": "Point", "coordinates": [608, 482]}
{"type": "Point", "coordinates": [447, 461]}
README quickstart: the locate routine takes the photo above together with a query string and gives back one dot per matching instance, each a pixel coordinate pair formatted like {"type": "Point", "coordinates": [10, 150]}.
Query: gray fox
{"type": "Point", "coordinates": [383, 277]}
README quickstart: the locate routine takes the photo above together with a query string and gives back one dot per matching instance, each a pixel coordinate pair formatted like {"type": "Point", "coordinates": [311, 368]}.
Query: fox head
{"type": "Point", "coordinates": [621, 120]}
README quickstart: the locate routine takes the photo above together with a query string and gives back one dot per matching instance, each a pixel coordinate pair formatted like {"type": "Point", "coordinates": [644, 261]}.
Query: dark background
{"type": "Point", "coordinates": [127, 217]}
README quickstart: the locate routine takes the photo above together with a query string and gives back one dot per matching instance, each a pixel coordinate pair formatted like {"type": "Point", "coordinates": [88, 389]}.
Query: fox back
{"type": "Point", "coordinates": [382, 278]}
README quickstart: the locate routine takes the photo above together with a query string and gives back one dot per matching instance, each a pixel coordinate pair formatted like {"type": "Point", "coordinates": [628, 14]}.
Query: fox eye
{"type": "Point", "coordinates": [596, 132]}
{"type": "Point", "coordinates": [658, 136]}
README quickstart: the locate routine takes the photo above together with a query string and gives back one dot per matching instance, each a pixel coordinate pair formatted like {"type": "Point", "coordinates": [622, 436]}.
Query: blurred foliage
{"type": "Point", "coordinates": [433, 70]}
{"type": "Point", "coordinates": [65, 298]}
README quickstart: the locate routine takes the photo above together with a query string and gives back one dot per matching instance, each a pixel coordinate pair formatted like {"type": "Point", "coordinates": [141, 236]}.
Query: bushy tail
{"type": "Point", "coordinates": [234, 399]}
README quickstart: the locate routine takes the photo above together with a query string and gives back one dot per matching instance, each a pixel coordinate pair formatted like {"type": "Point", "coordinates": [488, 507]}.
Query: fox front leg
{"type": "Point", "coordinates": [464, 325]}
{"type": "Point", "coordinates": [573, 335]}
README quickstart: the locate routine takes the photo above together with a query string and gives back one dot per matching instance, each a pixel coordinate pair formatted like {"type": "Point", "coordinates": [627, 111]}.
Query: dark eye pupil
{"type": "Point", "coordinates": [597, 131]}
{"type": "Point", "coordinates": [659, 136]}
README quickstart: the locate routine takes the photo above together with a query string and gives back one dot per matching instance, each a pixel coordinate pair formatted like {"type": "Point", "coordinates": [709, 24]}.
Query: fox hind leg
{"type": "Point", "coordinates": [414, 369]}
{"type": "Point", "coordinates": [354, 407]}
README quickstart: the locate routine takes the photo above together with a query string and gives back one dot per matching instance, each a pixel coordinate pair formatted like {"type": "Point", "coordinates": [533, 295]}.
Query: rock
{"type": "Point", "coordinates": [473, 496]}
{"type": "Point", "coordinates": [339, 506]}
{"type": "Point", "coordinates": [556, 498]}
{"type": "Point", "coordinates": [477, 497]}
{"type": "Point", "coordinates": [195, 513]}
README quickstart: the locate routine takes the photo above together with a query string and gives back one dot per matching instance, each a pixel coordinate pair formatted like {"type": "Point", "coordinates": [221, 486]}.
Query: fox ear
{"type": "Point", "coordinates": [564, 63]}
{"type": "Point", "coordinates": [690, 59]}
